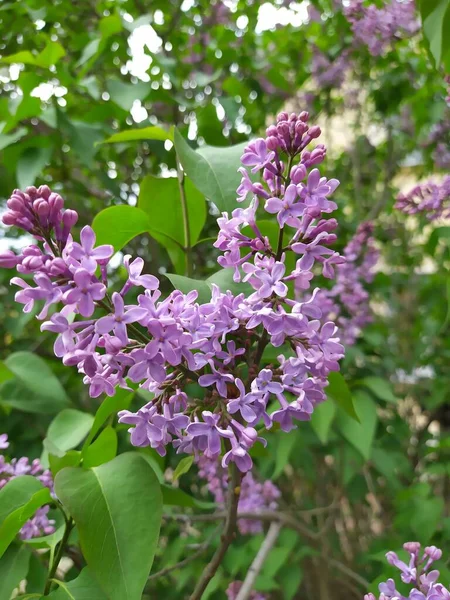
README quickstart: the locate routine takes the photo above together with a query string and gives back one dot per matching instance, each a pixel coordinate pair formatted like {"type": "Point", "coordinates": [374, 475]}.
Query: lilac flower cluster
{"type": "Point", "coordinates": [39, 524]}
{"type": "Point", "coordinates": [234, 588]}
{"type": "Point", "coordinates": [430, 198]}
{"type": "Point", "coordinates": [415, 573]}
{"type": "Point", "coordinates": [329, 73]}
{"type": "Point", "coordinates": [164, 344]}
{"type": "Point", "coordinates": [347, 302]}
{"type": "Point", "coordinates": [378, 28]}
{"type": "Point", "coordinates": [254, 497]}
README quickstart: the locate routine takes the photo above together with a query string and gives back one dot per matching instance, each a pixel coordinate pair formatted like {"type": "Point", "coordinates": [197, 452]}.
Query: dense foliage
{"type": "Point", "coordinates": [224, 352]}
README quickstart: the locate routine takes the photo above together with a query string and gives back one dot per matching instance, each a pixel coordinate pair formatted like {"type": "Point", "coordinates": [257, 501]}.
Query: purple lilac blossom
{"type": "Point", "coordinates": [430, 198]}
{"type": "Point", "coordinates": [166, 343]}
{"type": "Point", "coordinates": [39, 524]}
{"type": "Point", "coordinates": [416, 573]}
{"type": "Point", "coordinates": [377, 28]}
{"type": "Point", "coordinates": [255, 495]}
{"type": "Point", "coordinates": [347, 302]}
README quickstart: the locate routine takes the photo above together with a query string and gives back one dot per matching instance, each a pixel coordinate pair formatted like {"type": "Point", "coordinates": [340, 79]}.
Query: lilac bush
{"type": "Point", "coordinates": [162, 344]}
{"type": "Point", "coordinates": [416, 574]}
{"type": "Point", "coordinates": [377, 28]}
{"type": "Point", "coordinates": [431, 198]}
{"type": "Point", "coordinates": [39, 524]}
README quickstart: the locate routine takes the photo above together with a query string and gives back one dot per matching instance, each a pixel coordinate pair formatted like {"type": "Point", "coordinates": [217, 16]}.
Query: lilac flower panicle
{"type": "Point", "coordinates": [430, 198]}
{"type": "Point", "coordinates": [165, 343]}
{"type": "Point", "coordinates": [39, 524]}
{"type": "Point", "coordinates": [377, 28]}
{"type": "Point", "coordinates": [415, 572]}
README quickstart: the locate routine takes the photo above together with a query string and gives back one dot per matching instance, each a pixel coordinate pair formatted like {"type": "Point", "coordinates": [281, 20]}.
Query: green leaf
{"type": "Point", "coordinates": [145, 133]}
{"type": "Point", "coordinates": [339, 391]}
{"type": "Point", "coordinates": [124, 94]}
{"type": "Point", "coordinates": [50, 55]}
{"type": "Point", "coordinates": [13, 569]}
{"type": "Point", "coordinates": [157, 192]}
{"type": "Point", "coordinates": [225, 282]}
{"type": "Point", "coordinates": [102, 450]}
{"type": "Point", "coordinates": [183, 467]}
{"type": "Point", "coordinates": [186, 285]}
{"type": "Point", "coordinates": [118, 225]}
{"type": "Point", "coordinates": [11, 138]}
{"type": "Point", "coordinates": [322, 419]}
{"type": "Point", "coordinates": [107, 513]}
{"type": "Point", "coordinates": [24, 56]}
{"type": "Point", "coordinates": [38, 390]}
{"type": "Point", "coordinates": [69, 428]}
{"type": "Point", "coordinates": [284, 449]}
{"type": "Point", "coordinates": [176, 497]}
{"type": "Point", "coordinates": [110, 406]}
{"type": "Point", "coordinates": [436, 21]}
{"type": "Point", "coordinates": [89, 51]}
{"type": "Point", "coordinates": [360, 435]}
{"type": "Point", "coordinates": [47, 541]}
{"type": "Point", "coordinates": [71, 458]}
{"type": "Point", "coordinates": [110, 25]}
{"type": "Point", "coordinates": [5, 373]}
{"type": "Point", "coordinates": [214, 171]}
{"type": "Point", "coordinates": [30, 165]}
{"type": "Point", "coordinates": [19, 500]}
{"type": "Point", "coordinates": [84, 587]}
{"type": "Point", "coordinates": [381, 388]}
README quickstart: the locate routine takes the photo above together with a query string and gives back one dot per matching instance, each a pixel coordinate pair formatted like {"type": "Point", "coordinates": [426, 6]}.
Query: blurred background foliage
{"type": "Point", "coordinates": [75, 73]}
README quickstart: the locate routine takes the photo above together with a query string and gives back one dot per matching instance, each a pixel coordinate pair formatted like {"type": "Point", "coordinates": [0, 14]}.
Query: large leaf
{"type": "Point", "coordinates": [117, 509]}
{"type": "Point", "coordinates": [38, 390]}
{"type": "Point", "coordinates": [11, 138]}
{"type": "Point", "coordinates": [110, 406]}
{"type": "Point", "coordinates": [360, 435]}
{"type": "Point", "coordinates": [102, 450]}
{"type": "Point", "coordinates": [186, 285]}
{"type": "Point", "coordinates": [117, 225]}
{"type": "Point", "coordinates": [322, 419]}
{"type": "Point", "coordinates": [124, 94]}
{"type": "Point", "coordinates": [145, 133]}
{"type": "Point", "coordinates": [69, 428]}
{"type": "Point", "coordinates": [19, 500]}
{"type": "Point", "coordinates": [436, 26]}
{"type": "Point", "coordinates": [160, 197]}
{"type": "Point", "coordinates": [30, 165]}
{"type": "Point", "coordinates": [214, 171]}
{"type": "Point", "coordinates": [13, 569]}
{"type": "Point", "coordinates": [84, 587]}
{"type": "Point", "coordinates": [381, 388]}
{"type": "Point", "coordinates": [339, 391]}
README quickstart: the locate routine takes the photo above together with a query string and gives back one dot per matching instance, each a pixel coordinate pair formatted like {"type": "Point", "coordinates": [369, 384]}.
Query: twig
{"type": "Point", "coordinates": [185, 213]}
{"type": "Point", "coordinates": [351, 574]}
{"type": "Point", "coordinates": [267, 516]}
{"type": "Point", "coordinates": [201, 550]}
{"type": "Point", "coordinates": [234, 491]}
{"type": "Point", "coordinates": [59, 554]}
{"type": "Point", "coordinates": [257, 564]}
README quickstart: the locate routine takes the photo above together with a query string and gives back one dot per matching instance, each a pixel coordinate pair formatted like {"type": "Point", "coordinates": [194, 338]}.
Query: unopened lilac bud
{"type": "Point", "coordinates": [391, 557]}
{"type": "Point", "coordinates": [57, 267]}
{"type": "Point", "coordinates": [56, 204]}
{"type": "Point", "coordinates": [271, 131]}
{"type": "Point", "coordinates": [314, 131]}
{"type": "Point", "coordinates": [304, 116]}
{"type": "Point", "coordinates": [41, 207]}
{"type": "Point", "coordinates": [249, 435]}
{"type": "Point", "coordinates": [298, 173]}
{"type": "Point", "coordinates": [369, 596]}
{"type": "Point", "coordinates": [15, 203]}
{"type": "Point", "coordinates": [272, 143]}
{"type": "Point", "coordinates": [10, 218]}
{"type": "Point", "coordinates": [69, 218]}
{"type": "Point", "coordinates": [43, 191]}
{"type": "Point", "coordinates": [433, 552]}
{"type": "Point", "coordinates": [282, 116]}
{"type": "Point", "coordinates": [8, 260]}
{"type": "Point", "coordinates": [412, 547]}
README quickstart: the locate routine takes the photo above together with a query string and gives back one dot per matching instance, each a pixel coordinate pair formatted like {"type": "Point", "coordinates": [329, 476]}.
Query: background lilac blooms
{"type": "Point", "coordinates": [39, 524]}
{"type": "Point", "coordinates": [422, 583]}
{"type": "Point", "coordinates": [431, 198]}
{"type": "Point", "coordinates": [163, 344]}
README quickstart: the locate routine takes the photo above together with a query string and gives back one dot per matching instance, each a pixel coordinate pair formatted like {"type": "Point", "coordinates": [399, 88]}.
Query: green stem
{"type": "Point", "coordinates": [58, 556]}
{"type": "Point", "coordinates": [186, 228]}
